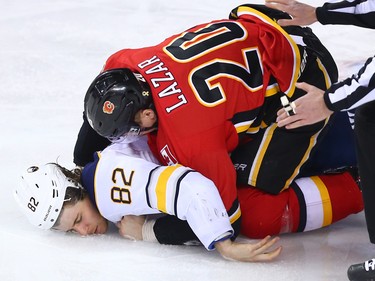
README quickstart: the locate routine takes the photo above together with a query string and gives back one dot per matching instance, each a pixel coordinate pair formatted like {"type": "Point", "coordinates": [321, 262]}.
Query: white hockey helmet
{"type": "Point", "coordinates": [41, 194]}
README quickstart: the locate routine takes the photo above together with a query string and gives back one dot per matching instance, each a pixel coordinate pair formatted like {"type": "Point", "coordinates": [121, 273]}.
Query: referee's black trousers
{"type": "Point", "coordinates": [365, 138]}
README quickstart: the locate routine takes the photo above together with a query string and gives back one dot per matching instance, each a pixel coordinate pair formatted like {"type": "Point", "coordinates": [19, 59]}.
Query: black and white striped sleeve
{"type": "Point", "coordinates": [353, 92]}
{"type": "Point", "coordinates": [351, 12]}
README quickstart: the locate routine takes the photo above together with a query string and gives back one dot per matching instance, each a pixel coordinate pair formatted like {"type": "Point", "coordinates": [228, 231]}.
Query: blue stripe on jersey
{"type": "Point", "coordinates": [178, 190]}
{"type": "Point", "coordinates": [88, 178]}
{"type": "Point", "coordinates": [147, 185]}
{"type": "Point", "coordinates": [302, 208]}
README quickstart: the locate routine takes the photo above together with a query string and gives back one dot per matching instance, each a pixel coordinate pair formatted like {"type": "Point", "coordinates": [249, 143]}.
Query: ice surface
{"type": "Point", "coordinates": [50, 51]}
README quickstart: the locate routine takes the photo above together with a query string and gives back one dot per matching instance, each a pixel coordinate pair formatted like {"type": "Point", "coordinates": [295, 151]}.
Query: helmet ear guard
{"type": "Point", "coordinates": [112, 101]}
{"type": "Point", "coordinates": [41, 194]}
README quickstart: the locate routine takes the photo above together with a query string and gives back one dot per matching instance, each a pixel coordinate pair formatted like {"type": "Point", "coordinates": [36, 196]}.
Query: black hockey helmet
{"type": "Point", "coordinates": [113, 99]}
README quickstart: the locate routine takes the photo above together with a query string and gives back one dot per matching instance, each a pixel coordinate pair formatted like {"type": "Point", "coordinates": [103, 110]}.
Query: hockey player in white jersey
{"type": "Point", "coordinates": [121, 182]}
{"type": "Point", "coordinates": [126, 184]}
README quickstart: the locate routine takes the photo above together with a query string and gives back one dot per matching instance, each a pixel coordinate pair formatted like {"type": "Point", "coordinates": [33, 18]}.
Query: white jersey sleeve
{"type": "Point", "coordinates": [130, 185]}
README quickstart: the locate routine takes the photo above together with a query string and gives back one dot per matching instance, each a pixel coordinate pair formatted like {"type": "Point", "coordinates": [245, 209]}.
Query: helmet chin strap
{"type": "Point", "coordinates": [136, 129]}
{"type": "Point", "coordinates": [133, 135]}
{"type": "Point", "coordinates": [141, 131]}
{"type": "Point", "coordinates": [145, 131]}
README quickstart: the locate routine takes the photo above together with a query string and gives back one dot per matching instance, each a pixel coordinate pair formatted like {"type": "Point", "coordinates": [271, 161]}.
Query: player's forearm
{"type": "Point", "coordinates": [167, 230]}
{"type": "Point", "coordinates": [204, 224]}
{"type": "Point", "coordinates": [88, 142]}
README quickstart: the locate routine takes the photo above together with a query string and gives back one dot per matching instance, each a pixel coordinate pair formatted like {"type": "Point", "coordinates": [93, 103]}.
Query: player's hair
{"type": "Point", "coordinates": [72, 194]}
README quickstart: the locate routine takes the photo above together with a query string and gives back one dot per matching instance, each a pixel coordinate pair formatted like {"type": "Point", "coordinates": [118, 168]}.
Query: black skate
{"type": "Point", "coordinates": [362, 271]}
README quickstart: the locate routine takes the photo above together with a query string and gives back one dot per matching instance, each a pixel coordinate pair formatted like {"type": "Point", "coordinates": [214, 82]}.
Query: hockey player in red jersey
{"type": "Point", "coordinates": [206, 88]}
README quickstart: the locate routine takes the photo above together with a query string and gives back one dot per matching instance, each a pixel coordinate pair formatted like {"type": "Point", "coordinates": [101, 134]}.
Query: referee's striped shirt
{"type": "Point", "coordinates": [360, 88]}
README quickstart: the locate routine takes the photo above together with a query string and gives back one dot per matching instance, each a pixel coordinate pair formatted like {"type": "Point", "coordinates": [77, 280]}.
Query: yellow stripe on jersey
{"type": "Point", "coordinates": [317, 202]}
{"type": "Point", "coordinates": [161, 187]}
{"type": "Point", "coordinates": [260, 155]}
{"type": "Point", "coordinates": [304, 159]}
{"type": "Point", "coordinates": [325, 73]}
{"type": "Point", "coordinates": [326, 201]}
{"type": "Point", "coordinates": [272, 90]}
{"type": "Point", "coordinates": [253, 130]}
{"type": "Point", "coordinates": [243, 126]}
{"type": "Point", "coordinates": [235, 216]}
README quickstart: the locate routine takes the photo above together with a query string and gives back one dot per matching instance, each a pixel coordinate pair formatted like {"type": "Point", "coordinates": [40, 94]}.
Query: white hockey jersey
{"type": "Point", "coordinates": [121, 182]}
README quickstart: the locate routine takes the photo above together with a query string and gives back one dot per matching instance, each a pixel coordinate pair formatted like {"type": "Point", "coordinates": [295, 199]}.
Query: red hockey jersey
{"type": "Point", "coordinates": [208, 85]}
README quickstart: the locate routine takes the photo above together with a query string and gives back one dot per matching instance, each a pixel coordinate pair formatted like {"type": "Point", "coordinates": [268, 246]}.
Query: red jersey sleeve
{"type": "Point", "coordinates": [281, 54]}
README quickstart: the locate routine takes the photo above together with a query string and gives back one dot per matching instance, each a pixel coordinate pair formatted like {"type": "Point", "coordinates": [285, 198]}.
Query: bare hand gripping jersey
{"type": "Point", "coordinates": [121, 183]}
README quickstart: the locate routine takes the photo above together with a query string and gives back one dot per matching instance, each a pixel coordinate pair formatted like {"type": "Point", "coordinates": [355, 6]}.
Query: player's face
{"type": "Point", "coordinates": [82, 218]}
